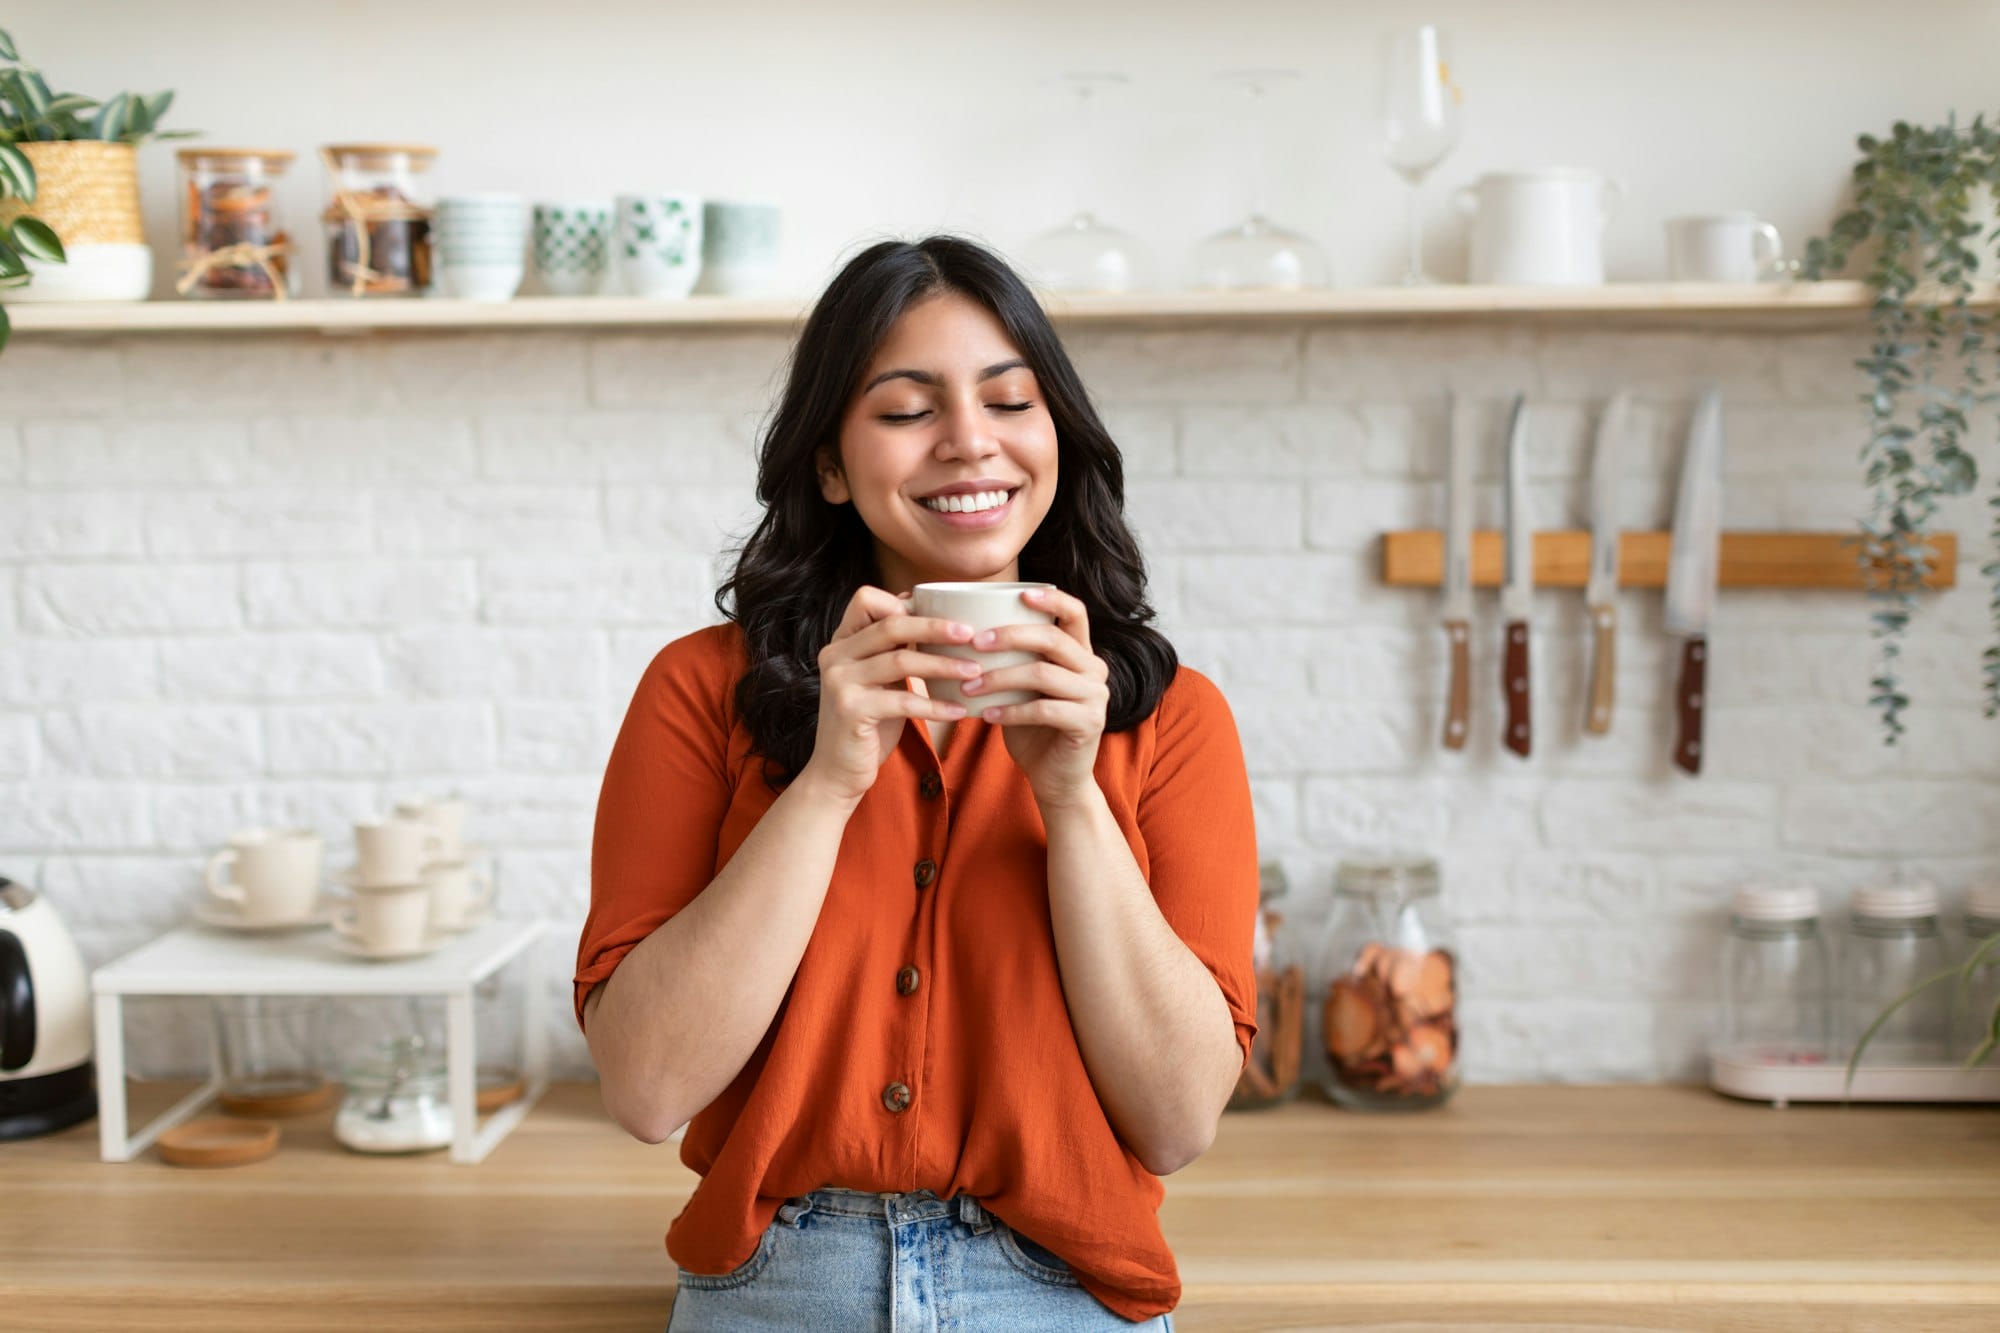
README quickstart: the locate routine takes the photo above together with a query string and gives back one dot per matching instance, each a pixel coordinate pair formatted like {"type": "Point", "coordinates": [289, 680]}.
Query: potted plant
{"type": "Point", "coordinates": [69, 172]}
{"type": "Point", "coordinates": [1923, 206]}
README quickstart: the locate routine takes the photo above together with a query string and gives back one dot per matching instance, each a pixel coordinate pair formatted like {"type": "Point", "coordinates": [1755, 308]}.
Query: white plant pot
{"type": "Point", "coordinates": [95, 272]}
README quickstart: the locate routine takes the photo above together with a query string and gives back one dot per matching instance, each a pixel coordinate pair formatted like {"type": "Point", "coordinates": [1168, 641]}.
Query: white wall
{"type": "Point", "coordinates": [905, 116]}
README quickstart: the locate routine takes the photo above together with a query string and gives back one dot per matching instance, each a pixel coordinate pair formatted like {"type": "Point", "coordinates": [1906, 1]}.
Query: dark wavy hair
{"type": "Point", "coordinates": [799, 568]}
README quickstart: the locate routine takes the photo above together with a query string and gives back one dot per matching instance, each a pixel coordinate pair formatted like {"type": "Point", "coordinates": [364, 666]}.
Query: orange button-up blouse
{"type": "Point", "coordinates": [924, 1044]}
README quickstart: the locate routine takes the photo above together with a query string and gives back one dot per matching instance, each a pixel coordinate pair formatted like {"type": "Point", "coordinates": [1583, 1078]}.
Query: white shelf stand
{"type": "Point", "coordinates": [200, 961]}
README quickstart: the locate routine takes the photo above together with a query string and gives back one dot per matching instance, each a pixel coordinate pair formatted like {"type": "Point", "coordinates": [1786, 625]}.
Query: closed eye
{"type": "Point", "coordinates": [918, 416]}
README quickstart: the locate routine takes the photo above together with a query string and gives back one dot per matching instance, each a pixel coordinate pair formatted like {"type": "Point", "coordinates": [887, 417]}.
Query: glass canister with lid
{"type": "Point", "coordinates": [1777, 978]}
{"type": "Point", "coordinates": [1977, 1001]}
{"type": "Point", "coordinates": [396, 1099]}
{"type": "Point", "coordinates": [1892, 948]}
{"type": "Point", "coordinates": [378, 224]}
{"type": "Point", "coordinates": [1272, 1074]}
{"type": "Point", "coordinates": [234, 245]}
{"type": "Point", "coordinates": [1385, 994]}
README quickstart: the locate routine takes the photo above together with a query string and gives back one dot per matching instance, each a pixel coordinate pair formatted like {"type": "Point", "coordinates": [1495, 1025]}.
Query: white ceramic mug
{"type": "Point", "coordinates": [460, 893]}
{"type": "Point", "coordinates": [1538, 228]}
{"type": "Point", "coordinates": [392, 852]}
{"type": "Point", "coordinates": [1723, 247]}
{"type": "Point", "coordinates": [982, 606]}
{"type": "Point", "coordinates": [267, 875]}
{"type": "Point", "coordinates": [658, 243]}
{"type": "Point", "coordinates": [445, 815]}
{"type": "Point", "coordinates": [387, 920]}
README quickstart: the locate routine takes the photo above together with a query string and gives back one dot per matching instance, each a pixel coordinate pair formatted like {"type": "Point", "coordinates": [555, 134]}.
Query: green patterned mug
{"type": "Point", "coordinates": [659, 243]}
{"type": "Point", "coordinates": [572, 245]}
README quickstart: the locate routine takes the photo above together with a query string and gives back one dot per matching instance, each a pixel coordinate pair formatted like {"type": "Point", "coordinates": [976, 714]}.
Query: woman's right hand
{"type": "Point", "coordinates": [862, 701]}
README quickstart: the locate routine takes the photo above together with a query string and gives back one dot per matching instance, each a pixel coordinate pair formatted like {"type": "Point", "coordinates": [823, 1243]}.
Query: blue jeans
{"type": "Point", "coordinates": [894, 1263]}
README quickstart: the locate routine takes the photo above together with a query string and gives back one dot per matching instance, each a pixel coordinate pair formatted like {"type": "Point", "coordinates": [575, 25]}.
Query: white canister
{"type": "Point", "coordinates": [1539, 228]}
{"type": "Point", "coordinates": [1722, 247]}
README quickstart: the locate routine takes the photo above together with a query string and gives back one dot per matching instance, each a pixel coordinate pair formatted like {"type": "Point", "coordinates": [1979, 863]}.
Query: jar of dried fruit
{"type": "Point", "coordinates": [233, 239]}
{"type": "Point", "coordinates": [1272, 1074]}
{"type": "Point", "coordinates": [1384, 1004]}
{"type": "Point", "coordinates": [378, 225]}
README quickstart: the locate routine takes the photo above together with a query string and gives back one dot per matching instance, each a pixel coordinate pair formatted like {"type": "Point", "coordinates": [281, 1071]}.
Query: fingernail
{"type": "Point", "coordinates": [975, 685]}
{"type": "Point", "coordinates": [956, 710]}
{"type": "Point", "coordinates": [986, 638]}
{"type": "Point", "coordinates": [959, 631]}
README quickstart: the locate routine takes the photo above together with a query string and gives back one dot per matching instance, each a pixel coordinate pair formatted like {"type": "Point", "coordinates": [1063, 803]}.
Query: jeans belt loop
{"type": "Point", "coordinates": [970, 1213]}
{"type": "Point", "coordinates": [793, 1209]}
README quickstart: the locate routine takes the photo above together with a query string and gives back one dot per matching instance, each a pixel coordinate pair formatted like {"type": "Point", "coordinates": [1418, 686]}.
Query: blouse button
{"type": "Point", "coordinates": [907, 981]}
{"type": "Point", "coordinates": [896, 1097]}
{"type": "Point", "coordinates": [929, 786]}
{"type": "Point", "coordinates": [926, 872]}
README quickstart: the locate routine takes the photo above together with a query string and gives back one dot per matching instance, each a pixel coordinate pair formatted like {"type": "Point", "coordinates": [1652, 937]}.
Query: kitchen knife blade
{"type": "Point", "coordinates": [1600, 595]}
{"type": "Point", "coordinates": [1460, 467]}
{"type": "Point", "coordinates": [1693, 564]}
{"type": "Point", "coordinates": [1517, 596]}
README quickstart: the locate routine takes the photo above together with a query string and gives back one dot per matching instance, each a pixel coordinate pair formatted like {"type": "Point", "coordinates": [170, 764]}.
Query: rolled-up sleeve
{"type": "Point", "coordinates": [666, 790]}
{"type": "Point", "coordinates": [1201, 840]}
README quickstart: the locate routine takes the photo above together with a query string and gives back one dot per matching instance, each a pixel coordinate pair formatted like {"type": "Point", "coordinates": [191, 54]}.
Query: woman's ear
{"type": "Point", "coordinates": [832, 481]}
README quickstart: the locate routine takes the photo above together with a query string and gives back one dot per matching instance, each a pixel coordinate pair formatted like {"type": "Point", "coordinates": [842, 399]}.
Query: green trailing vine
{"type": "Point", "coordinates": [1913, 196]}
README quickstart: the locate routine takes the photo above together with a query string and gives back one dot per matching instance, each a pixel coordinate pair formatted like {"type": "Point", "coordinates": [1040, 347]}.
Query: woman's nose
{"type": "Point", "coordinates": [967, 432]}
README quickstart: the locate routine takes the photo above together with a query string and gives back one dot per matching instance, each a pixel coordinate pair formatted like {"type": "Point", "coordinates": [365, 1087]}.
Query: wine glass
{"type": "Point", "coordinates": [1084, 255]}
{"type": "Point", "coordinates": [1257, 253]}
{"type": "Point", "coordinates": [1419, 119]}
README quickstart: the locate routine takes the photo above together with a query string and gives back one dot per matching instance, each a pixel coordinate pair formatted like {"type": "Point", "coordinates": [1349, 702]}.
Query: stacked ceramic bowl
{"type": "Point", "coordinates": [481, 242]}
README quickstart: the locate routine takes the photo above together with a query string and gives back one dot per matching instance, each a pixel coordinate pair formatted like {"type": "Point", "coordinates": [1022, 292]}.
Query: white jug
{"type": "Point", "coordinates": [1539, 228]}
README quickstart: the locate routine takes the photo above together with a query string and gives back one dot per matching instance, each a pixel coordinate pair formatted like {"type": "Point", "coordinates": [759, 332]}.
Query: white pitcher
{"type": "Point", "coordinates": [1539, 228]}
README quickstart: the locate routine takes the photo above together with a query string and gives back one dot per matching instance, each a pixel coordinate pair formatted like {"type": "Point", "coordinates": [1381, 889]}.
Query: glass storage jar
{"type": "Point", "coordinates": [1893, 947]}
{"type": "Point", "coordinates": [1777, 978]}
{"type": "Point", "coordinates": [378, 225]}
{"type": "Point", "coordinates": [1272, 1074]}
{"type": "Point", "coordinates": [234, 245]}
{"type": "Point", "coordinates": [396, 1100]}
{"type": "Point", "coordinates": [1385, 991]}
{"type": "Point", "coordinates": [271, 1051]}
{"type": "Point", "coordinates": [1973, 1010]}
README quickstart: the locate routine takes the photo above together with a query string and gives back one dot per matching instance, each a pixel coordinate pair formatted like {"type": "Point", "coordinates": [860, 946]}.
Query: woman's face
{"type": "Point", "coordinates": [947, 407]}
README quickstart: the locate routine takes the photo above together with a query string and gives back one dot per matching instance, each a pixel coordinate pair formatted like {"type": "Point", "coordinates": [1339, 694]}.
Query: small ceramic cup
{"type": "Point", "coordinates": [393, 852]}
{"type": "Point", "coordinates": [739, 247]}
{"type": "Point", "coordinates": [982, 606]}
{"type": "Point", "coordinates": [659, 244]}
{"type": "Point", "coordinates": [572, 245]}
{"type": "Point", "coordinates": [387, 920]}
{"type": "Point", "coordinates": [480, 241]}
{"type": "Point", "coordinates": [267, 875]}
{"type": "Point", "coordinates": [445, 815]}
{"type": "Point", "coordinates": [461, 894]}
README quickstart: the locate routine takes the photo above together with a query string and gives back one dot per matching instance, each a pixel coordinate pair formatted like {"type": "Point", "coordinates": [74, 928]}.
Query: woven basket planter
{"type": "Point", "coordinates": [88, 193]}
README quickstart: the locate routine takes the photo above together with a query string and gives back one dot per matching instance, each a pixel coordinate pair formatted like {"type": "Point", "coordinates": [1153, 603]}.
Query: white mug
{"type": "Point", "coordinates": [276, 874]}
{"type": "Point", "coordinates": [1725, 247]}
{"type": "Point", "coordinates": [387, 920]}
{"type": "Point", "coordinates": [455, 902]}
{"type": "Point", "coordinates": [1538, 228]}
{"type": "Point", "coordinates": [393, 852]}
{"type": "Point", "coordinates": [982, 606]}
{"type": "Point", "coordinates": [445, 815]}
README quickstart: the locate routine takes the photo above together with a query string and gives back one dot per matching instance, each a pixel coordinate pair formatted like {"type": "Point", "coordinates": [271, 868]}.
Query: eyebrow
{"type": "Point", "coordinates": [925, 377]}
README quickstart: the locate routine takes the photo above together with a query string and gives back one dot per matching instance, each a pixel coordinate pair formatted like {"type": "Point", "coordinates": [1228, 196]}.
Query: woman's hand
{"type": "Point", "coordinates": [1053, 739]}
{"type": "Point", "coordinates": [862, 698]}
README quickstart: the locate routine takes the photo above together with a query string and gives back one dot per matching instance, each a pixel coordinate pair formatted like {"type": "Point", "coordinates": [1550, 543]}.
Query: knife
{"type": "Point", "coordinates": [1601, 593]}
{"type": "Point", "coordinates": [1692, 567]}
{"type": "Point", "coordinates": [1517, 597]}
{"type": "Point", "coordinates": [1459, 481]}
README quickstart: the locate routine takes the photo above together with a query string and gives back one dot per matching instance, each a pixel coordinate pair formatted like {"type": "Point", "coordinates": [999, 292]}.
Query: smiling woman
{"type": "Point", "coordinates": [941, 1013]}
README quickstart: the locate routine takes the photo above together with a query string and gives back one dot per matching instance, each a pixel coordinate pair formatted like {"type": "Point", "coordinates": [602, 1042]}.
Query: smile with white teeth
{"type": "Point", "coordinates": [966, 504]}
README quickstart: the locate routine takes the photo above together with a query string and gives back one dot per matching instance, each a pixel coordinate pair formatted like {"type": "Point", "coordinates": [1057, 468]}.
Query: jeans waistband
{"type": "Point", "coordinates": [891, 1208]}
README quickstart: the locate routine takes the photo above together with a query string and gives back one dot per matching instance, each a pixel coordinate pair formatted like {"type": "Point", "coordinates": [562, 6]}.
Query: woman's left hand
{"type": "Point", "coordinates": [1053, 739]}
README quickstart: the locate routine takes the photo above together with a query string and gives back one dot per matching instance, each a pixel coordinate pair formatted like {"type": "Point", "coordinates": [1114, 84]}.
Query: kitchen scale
{"type": "Point", "coordinates": [1781, 1076]}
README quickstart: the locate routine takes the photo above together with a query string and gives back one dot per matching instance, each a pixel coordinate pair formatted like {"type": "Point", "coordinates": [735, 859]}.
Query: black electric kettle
{"type": "Point", "coordinates": [47, 1079]}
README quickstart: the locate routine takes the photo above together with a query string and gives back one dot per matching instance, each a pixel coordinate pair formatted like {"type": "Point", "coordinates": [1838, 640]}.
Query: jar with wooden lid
{"type": "Point", "coordinates": [396, 1100]}
{"type": "Point", "coordinates": [1976, 998]}
{"type": "Point", "coordinates": [1272, 1074]}
{"type": "Point", "coordinates": [378, 222]}
{"type": "Point", "coordinates": [1894, 947]}
{"type": "Point", "coordinates": [1777, 978]}
{"type": "Point", "coordinates": [1384, 1002]}
{"type": "Point", "coordinates": [234, 244]}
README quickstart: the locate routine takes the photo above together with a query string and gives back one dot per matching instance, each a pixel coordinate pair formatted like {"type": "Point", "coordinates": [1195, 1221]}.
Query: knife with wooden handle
{"type": "Point", "coordinates": [1601, 593]}
{"type": "Point", "coordinates": [1460, 466]}
{"type": "Point", "coordinates": [1693, 564]}
{"type": "Point", "coordinates": [1517, 596]}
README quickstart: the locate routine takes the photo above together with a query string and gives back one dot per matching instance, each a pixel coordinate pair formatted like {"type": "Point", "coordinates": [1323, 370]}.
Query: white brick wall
{"type": "Point", "coordinates": [290, 579]}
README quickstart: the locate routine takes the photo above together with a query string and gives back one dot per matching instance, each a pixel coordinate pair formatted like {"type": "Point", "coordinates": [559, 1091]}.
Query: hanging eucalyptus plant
{"type": "Point", "coordinates": [1914, 194]}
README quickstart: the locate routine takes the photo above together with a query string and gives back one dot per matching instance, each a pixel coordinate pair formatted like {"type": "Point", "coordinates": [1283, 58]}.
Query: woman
{"type": "Point", "coordinates": [944, 1001]}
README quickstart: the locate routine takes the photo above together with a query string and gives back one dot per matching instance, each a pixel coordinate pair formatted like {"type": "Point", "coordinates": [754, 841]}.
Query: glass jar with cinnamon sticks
{"type": "Point", "coordinates": [378, 225]}
{"type": "Point", "coordinates": [1272, 1074]}
{"type": "Point", "coordinates": [234, 245]}
{"type": "Point", "coordinates": [1384, 1004]}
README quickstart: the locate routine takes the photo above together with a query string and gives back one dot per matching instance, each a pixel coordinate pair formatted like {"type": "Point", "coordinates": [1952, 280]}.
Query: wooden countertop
{"type": "Point", "coordinates": [1617, 1207]}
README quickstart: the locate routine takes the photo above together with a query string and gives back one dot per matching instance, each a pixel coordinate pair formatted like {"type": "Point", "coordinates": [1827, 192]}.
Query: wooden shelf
{"type": "Point", "coordinates": [1749, 559]}
{"type": "Point", "coordinates": [1779, 305]}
